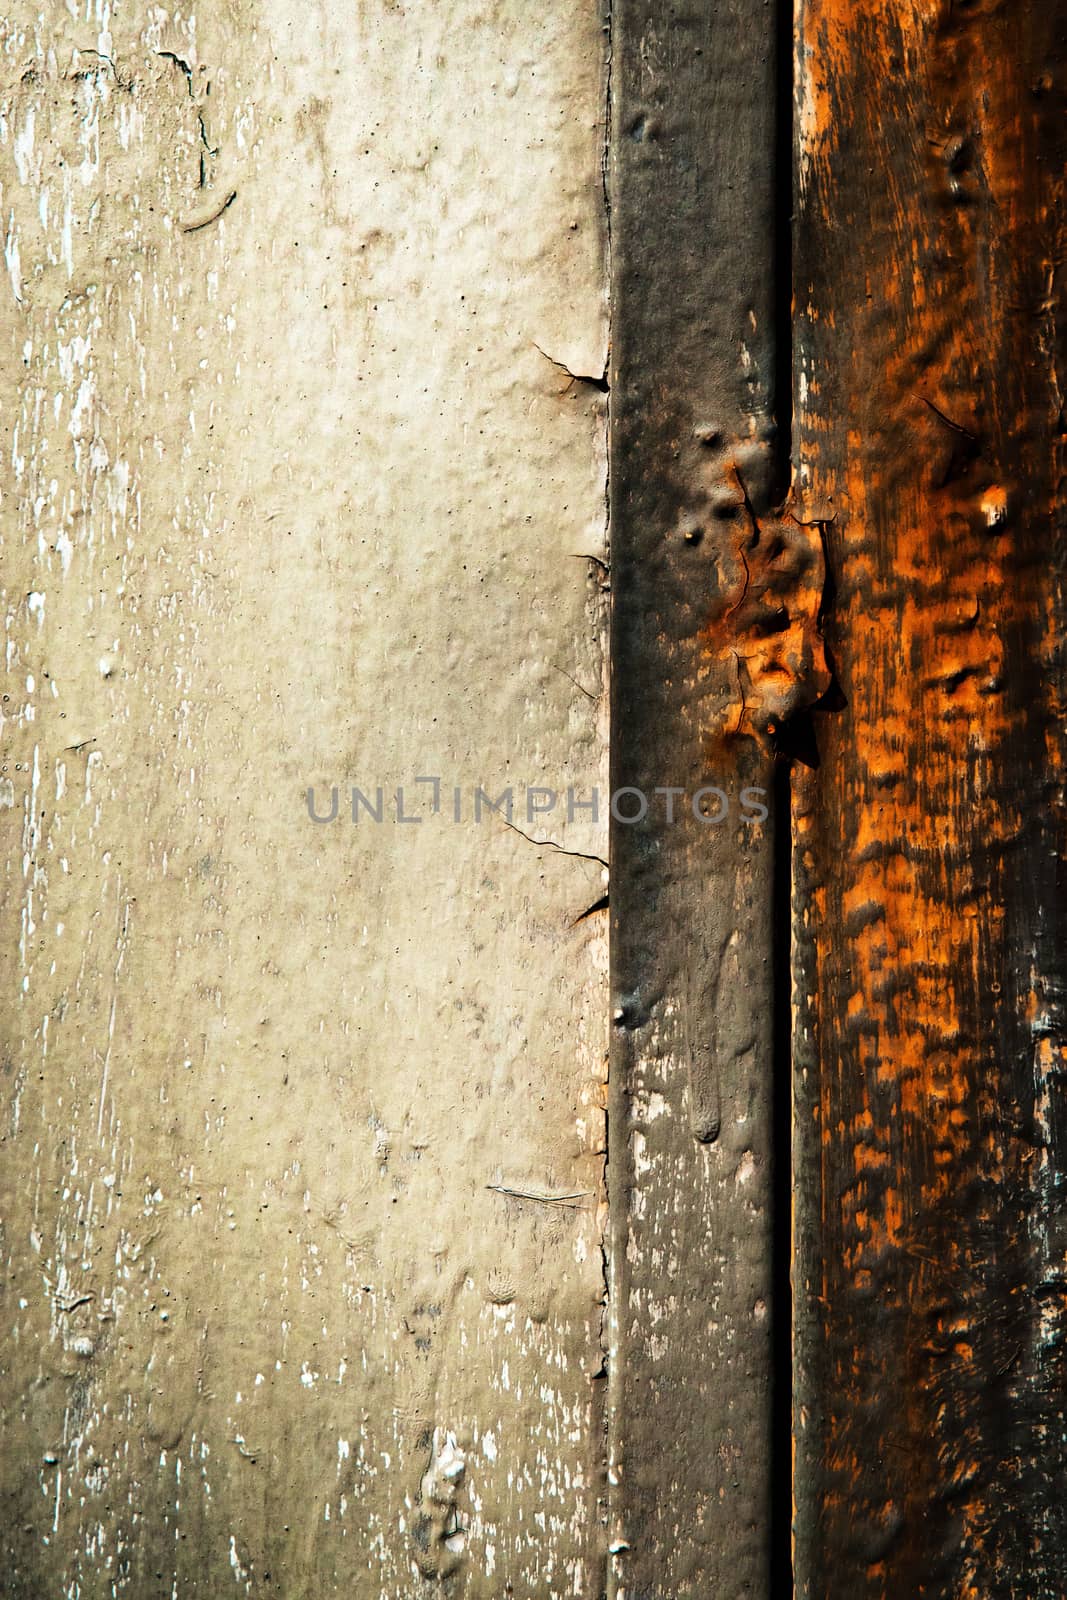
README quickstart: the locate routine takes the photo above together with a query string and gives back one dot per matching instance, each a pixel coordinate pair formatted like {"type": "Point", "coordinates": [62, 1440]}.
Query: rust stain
{"type": "Point", "coordinates": [767, 614]}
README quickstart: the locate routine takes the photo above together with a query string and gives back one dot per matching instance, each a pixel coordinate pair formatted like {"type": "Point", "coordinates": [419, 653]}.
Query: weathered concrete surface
{"type": "Point", "coordinates": [293, 497]}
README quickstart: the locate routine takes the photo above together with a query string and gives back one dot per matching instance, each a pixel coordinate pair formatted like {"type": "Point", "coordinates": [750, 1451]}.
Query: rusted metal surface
{"type": "Point", "coordinates": [309, 1286]}
{"type": "Point", "coordinates": [929, 961]}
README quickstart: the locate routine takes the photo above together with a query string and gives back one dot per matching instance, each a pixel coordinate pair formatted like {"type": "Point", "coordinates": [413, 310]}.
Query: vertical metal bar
{"type": "Point", "coordinates": [694, 485]}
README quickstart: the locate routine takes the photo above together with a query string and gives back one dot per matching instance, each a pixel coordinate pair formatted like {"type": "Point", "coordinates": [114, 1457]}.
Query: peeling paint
{"type": "Point", "coordinates": [292, 492]}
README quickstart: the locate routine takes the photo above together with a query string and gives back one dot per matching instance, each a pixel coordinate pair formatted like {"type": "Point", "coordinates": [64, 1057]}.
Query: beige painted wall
{"type": "Point", "coordinates": [292, 496]}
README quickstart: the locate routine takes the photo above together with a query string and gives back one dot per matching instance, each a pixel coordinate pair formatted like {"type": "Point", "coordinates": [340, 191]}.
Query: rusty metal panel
{"type": "Point", "coordinates": [929, 929]}
{"type": "Point", "coordinates": [302, 1122]}
{"type": "Point", "coordinates": [696, 484]}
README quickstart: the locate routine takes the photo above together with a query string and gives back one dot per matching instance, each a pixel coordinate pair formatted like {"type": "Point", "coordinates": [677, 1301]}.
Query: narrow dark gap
{"type": "Point", "coordinates": [781, 1521]}
{"type": "Point", "coordinates": [782, 246]}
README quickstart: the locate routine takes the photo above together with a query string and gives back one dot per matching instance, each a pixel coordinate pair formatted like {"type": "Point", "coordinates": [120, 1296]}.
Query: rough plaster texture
{"type": "Point", "coordinates": [292, 496]}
